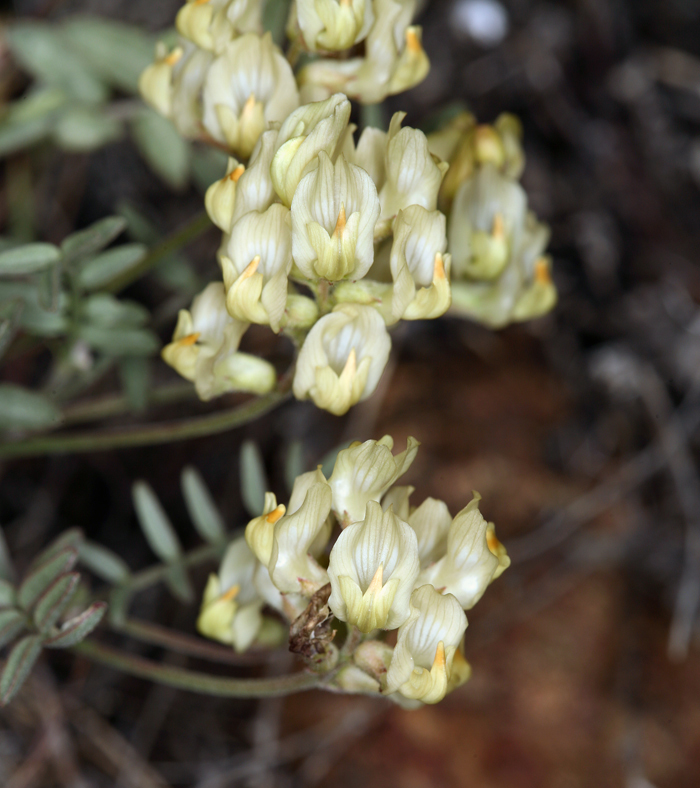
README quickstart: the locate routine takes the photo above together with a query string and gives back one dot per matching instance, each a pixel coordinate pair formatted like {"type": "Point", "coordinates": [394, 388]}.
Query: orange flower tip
{"type": "Point", "coordinates": [542, 275]}
{"type": "Point", "coordinates": [236, 174]}
{"type": "Point", "coordinates": [413, 43]}
{"type": "Point", "coordinates": [498, 230]}
{"type": "Point", "coordinates": [439, 269]}
{"type": "Point", "coordinates": [249, 106]}
{"type": "Point", "coordinates": [173, 57]}
{"type": "Point", "coordinates": [201, 2]}
{"type": "Point", "coordinates": [273, 516]}
{"type": "Point", "coordinates": [492, 542]}
{"type": "Point", "coordinates": [340, 224]}
{"type": "Point", "coordinates": [190, 339]}
{"type": "Point", "coordinates": [346, 3]}
{"type": "Point", "coordinates": [350, 365]}
{"type": "Point", "coordinates": [375, 585]}
{"type": "Point", "coordinates": [439, 661]}
{"type": "Point", "coordinates": [251, 268]}
{"type": "Point", "coordinates": [232, 593]}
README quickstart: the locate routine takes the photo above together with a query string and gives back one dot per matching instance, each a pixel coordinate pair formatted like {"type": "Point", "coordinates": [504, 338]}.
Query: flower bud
{"type": "Point", "coordinates": [257, 266]}
{"type": "Point", "coordinates": [260, 531]}
{"type": "Point", "coordinates": [292, 567]}
{"type": "Point", "coordinates": [412, 175]}
{"type": "Point", "coordinates": [310, 129]}
{"type": "Point", "coordinates": [333, 25]}
{"type": "Point", "coordinates": [473, 559]}
{"type": "Point", "coordinates": [220, 198]}
{"type": "Point", "coordinates": [249, 85]}
{"type": "Point", "coordinates": [373, 566]}
{"type": "Point", "coordinates": [421, 287]}
{"type": "Point", "coordinates": [412, 65]}
{"type": "Point", "coordinates": [354, 680]}
{"type": "Point", "coordinates": [211, 24]}
{"type": "Point", "coordinates": [230, 611]}
{"type": "Point", "coordinates": [342, 358]}
{"type": "Point", "coordinates": [374, 658]}
{"type": "Point", "coordinates": [334, 210]}
{"type": "Point", "coordinates": [364, 472]}
{"type": "Point", "coordinates": [155, 82]}
{"type": "Point", "coordinates": [426, 663]}
{"type": "Point", "coordinates": [254, 191]}
{"type": "Point", "coordinates": [188, 75]}
{"type": "Point", "coordinates": [300, 312]}
{"type": "Point", "coordinates": [205, 349]}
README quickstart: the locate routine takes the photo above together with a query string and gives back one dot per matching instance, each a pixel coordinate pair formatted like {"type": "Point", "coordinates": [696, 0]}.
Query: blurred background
{"type": "Point", "coordinates": [579, 430]}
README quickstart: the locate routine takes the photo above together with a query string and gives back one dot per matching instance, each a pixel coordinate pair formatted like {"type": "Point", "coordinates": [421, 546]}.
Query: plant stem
{"type": "Point", "coordinates": [157, 635]}
{"type": "Point", "coordinates": [117, 404]}
{"type": "Point", "coordinates": [195, 227]}
{"type": "Point", "coordinates": [195, 681]}
{"type": "Point", "coordinates": [144, 435]}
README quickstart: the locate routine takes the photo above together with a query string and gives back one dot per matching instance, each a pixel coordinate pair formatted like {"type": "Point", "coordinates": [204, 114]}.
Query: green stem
{"type": "Point", "coordinates": [195, 681]}
{"type": "Point", "coordinates": [156, 635]}
{"type": "Point", "coordinates": [144, 435]}
{"type": "Point", "coordinates": [117, 404]}
{"type": "Point", "coordinates": [196, 226]}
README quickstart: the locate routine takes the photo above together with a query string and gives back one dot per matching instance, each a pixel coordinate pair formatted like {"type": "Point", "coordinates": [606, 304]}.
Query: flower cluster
{"type": "Point", "coordinates": [226, 81]}
{"type": "Point", "coordinates": [500, 273]}
{"type": "Point", "coordinates": [352, 549]}
{"type": "Point", "coordinates": [328, 240]}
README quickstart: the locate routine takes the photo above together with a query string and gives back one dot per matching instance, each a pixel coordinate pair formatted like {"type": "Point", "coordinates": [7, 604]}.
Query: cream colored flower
{"type": "Point", "coordinates": [473, 559]}
{"type": "Point", "coordinates": [260, 531]}
{"type": "Point", "coordinates": [205, 349]}
{"type": "Point", "coordinates": [499, 271]}
{"type": "Point", "coordinates": [249, 85]}
{"type": "Point", "coordinates": [155, 82]}
{"type": "Point", "coordinates": [292, 565]}
{"type": "Point", "coordinates": [342, 358]}
{"type": "Point", "coordinates": [312, 128]}
{"type": "Point", "coordinates": [254, 190]}
{"type": "Point", "coordinates": [334, 210]}
{"type": "Point", "coordinates": [418, 267]}
{"type": "Point", "coordinates": [333, 25]}
{"type": "Point", "coordinates": [431, 521]}
{"type": "Point", "coordinates": [211, 24]}
{"type": "Point", "coordinates": [230, 611]}
{"type": "Point", "coordinates": [393, 61]}
{"type": "Point", "coordinates": [173, 85]}
{"type": "Point", "coordinates": [427, 663]}
{"type": "Point", "coordinates": [412, 175]}
{"type": "Point", "coordinates": [257, 265]}
{"type": "Point", "coordinates": [468, 146]}
{"type": "Point", "coordinates": [373, 566]}
{"type": "Point", "coordinates": [364, 472]}
{"type": "Point", "coordinates": [220, 198]}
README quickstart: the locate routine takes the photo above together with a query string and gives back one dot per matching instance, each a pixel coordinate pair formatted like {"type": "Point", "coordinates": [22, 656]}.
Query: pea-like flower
{"type": "Point", "coordinates": [310, 129]}
{"type": "Point", "coordinates": [249, 85]}
{"type": "Point", "coordinates": [257, 265]}
{"type": "Point", "coordinates": [211, 24]}
{"type": "Point", "coordinates": [205, 349]}
{"type": "Point", "coordinates": [427, 663]}
{"type": "Point", "coordinates": [364, 472]}
{"type": "Point", "coordinates": [393, 60]}
{"type": "Point", "coordinates": [373, 566]}
{"type": "Point", "coordinates": [334, 211]}
{"type": "Point", "coordinates": [292, 566]}
{"type": "Point", "coordinates": [412, 176]}
{"type": "Point", "coordinates": [231, 606]}
{"type": "Point", "coordinates": [254, 190]}
{"type": "Point", "coordinates": [333, 25]}
{"type": "Point", "coordinates": [474, 557]}
{"type": "Point", "coordinates": [220, 198]}
{"type": "Point", "coordinates": [173, 85]}
{"type": "Point", "coordinates": [342, 358]}
{"type": "Point", "coordinates": [431, 521]}
{"type": "Point", "coordinates": [499, 271]}
{"type": "Point", "coordinates": [419, 268]}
